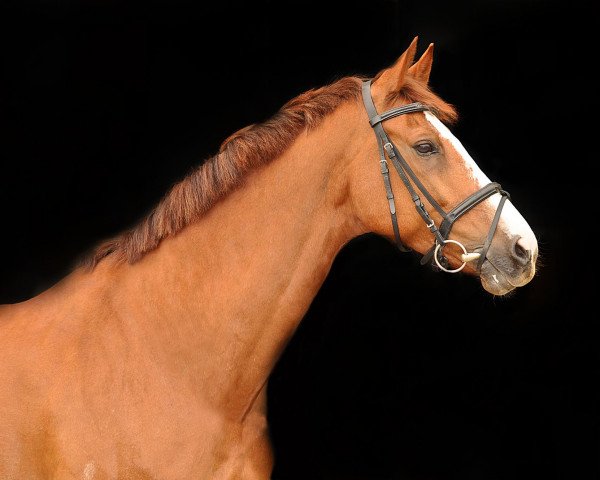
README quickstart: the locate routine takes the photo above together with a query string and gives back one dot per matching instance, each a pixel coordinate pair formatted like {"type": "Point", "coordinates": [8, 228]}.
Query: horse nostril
{"type": "Point", "coordinates": [521, 254]}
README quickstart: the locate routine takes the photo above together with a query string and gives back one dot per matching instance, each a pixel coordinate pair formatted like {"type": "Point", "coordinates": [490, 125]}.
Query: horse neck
{"type": "Point", "coordinates": [220, 299]}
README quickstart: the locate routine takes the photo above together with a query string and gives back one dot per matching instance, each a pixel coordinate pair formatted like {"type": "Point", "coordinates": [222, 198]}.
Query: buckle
{"type": "Point", "coordinates": [389, 148]}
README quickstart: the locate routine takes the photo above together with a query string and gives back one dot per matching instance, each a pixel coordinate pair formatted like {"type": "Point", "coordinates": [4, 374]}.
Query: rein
{"type": "Point", "coordinates": [406, 174]}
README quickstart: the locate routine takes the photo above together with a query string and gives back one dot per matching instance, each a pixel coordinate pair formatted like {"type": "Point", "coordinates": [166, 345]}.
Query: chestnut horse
{"type": "Point", "coordinates": [151, 360]}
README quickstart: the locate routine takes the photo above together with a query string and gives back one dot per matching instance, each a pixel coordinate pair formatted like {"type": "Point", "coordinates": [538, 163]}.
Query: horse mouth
{"type": "Point", "coordinates": [494, 281]}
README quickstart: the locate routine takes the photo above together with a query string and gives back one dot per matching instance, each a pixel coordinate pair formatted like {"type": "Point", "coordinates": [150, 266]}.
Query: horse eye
{"type": "Point", "coordinates": [424, 148]}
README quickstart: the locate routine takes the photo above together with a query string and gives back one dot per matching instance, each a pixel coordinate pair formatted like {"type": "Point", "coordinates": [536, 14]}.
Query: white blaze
{"type": "Point", "coordinates": [511, 221]}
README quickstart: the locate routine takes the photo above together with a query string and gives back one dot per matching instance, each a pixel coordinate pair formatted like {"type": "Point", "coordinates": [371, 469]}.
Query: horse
{"type": "Point", "coordinates": [150, 359]}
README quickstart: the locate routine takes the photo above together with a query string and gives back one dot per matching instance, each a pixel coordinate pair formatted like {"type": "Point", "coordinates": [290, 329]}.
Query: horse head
{"type": "Point", "coordinates": [471, 220]}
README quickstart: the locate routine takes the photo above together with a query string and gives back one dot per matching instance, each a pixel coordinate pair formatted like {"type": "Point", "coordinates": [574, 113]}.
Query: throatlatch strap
{"type": "Point", "coordinates": [385, 172]}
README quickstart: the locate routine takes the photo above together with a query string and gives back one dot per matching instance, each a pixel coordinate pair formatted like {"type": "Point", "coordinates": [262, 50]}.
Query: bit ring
{"type": "Point", "coordinates": [439, 247]}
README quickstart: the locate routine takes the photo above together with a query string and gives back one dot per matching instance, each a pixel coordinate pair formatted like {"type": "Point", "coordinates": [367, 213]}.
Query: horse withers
{"type": "Point", "coordinates": [151, 360]}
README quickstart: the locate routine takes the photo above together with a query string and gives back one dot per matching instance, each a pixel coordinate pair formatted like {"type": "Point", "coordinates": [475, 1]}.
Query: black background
{"type": "Point", "coordinates": [396, 372]}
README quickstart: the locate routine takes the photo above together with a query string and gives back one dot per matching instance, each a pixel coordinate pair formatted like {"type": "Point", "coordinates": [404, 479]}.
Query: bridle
{"type": "Point", "coordinates": [406, 174]}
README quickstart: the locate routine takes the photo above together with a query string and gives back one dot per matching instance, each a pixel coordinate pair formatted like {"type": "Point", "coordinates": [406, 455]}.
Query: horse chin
{"type": "Point", "coordinates": [494, 281]}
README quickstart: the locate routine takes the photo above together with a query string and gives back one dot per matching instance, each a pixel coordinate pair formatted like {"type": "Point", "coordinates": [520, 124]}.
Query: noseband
{"type": "Point", "coordinates": [406, 174]}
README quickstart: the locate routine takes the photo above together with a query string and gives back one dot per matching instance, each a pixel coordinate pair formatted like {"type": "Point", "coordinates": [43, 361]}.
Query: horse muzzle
{"type": "Point", "coordinates": [508, 266]}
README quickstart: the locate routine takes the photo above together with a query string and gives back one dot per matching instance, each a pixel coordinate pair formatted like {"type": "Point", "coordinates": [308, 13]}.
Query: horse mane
{"type": "Point", "coordinates": [246, 150]}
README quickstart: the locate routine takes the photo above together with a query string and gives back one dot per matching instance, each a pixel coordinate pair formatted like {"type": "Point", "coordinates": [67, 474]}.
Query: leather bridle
{"type": "Point", "coordinates": [406, 174]}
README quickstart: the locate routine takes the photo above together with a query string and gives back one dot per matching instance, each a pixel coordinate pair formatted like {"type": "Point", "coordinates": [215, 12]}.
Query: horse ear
{"type": "Point", "coordinates": [392, 79]}
{"type": "Point", "coordinates": [422, 68]}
